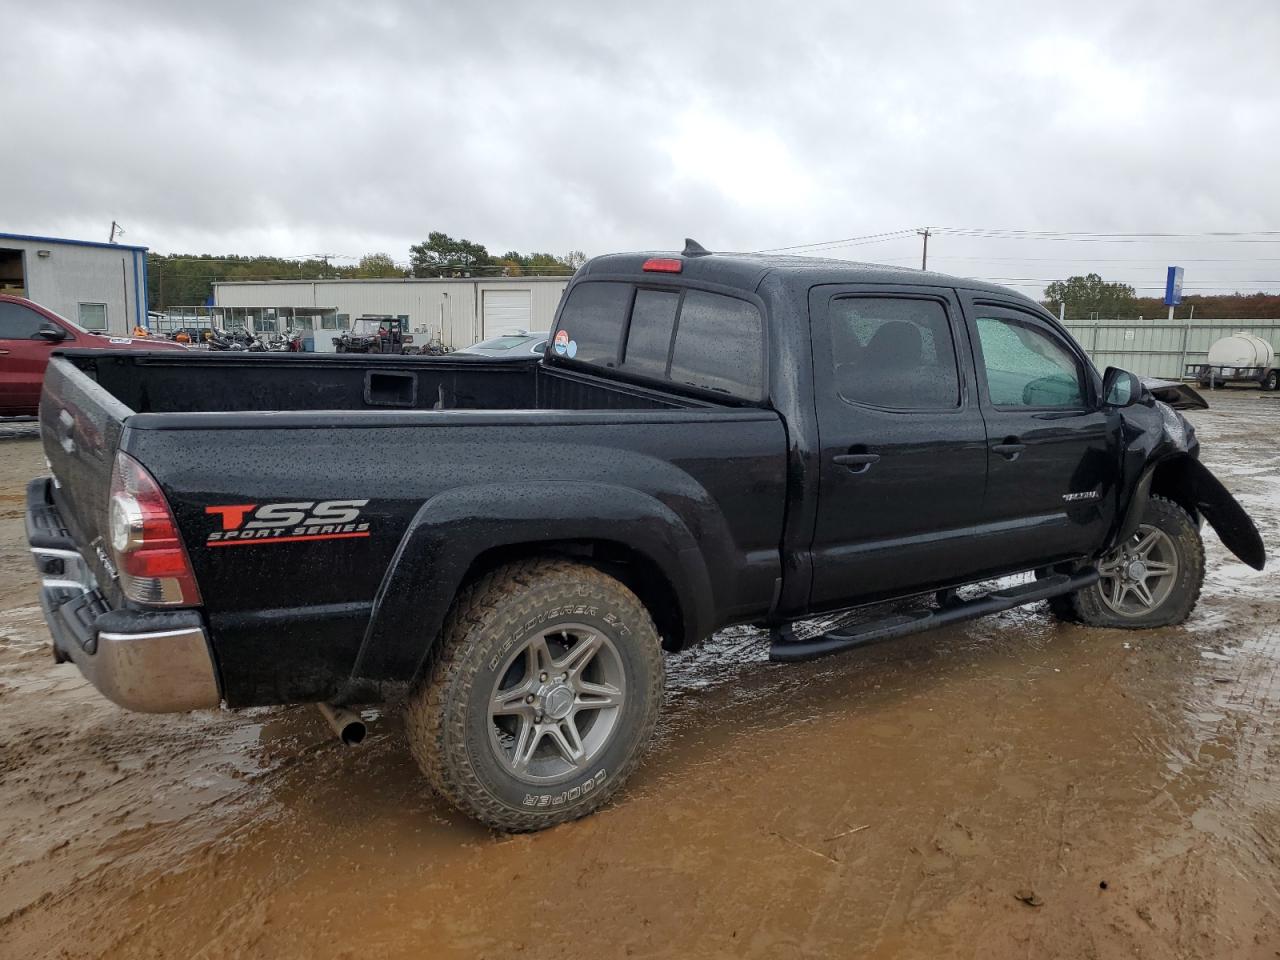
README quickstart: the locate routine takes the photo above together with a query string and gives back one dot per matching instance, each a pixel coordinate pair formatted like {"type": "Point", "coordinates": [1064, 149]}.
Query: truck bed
{"type": "Point", "coordinates": [446, 457]}
{"type": "Point", "coordinates": [208, 382]}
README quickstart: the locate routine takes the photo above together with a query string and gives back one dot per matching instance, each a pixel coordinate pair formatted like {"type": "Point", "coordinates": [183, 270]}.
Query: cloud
{"type": "Point", "coordinates": [344, 128]}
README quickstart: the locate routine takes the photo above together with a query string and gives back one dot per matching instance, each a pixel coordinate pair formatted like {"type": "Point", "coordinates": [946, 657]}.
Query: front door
{"type": "Point", "coordinates": [1054, 461]}
{"type": "Point", "coordinates": [904, 450]}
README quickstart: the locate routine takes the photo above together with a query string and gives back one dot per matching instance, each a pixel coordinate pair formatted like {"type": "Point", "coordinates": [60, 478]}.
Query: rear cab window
{"type": "Point", "coordinates": [707, 341]}
{"type": "Point", "coordinates": [591, 323]}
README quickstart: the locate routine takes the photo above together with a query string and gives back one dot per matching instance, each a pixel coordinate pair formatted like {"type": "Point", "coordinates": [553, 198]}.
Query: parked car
{"type": "Point", "coordinates": [29, 333]}
{"type": "Point", "coordinates": [712, 440]}
{"type": "Point", "coordinates": [510, 346]}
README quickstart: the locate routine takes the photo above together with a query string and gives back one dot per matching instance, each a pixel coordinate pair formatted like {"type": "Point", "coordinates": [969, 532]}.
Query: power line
{"type": "Point", "coordinates": [1088, 259]}
{"type": "Point", "coordinates": [1098, 235]}
{"type": "Point", "coordinates": [994, 233]}
{"type": "Point", "coordinates": [847, 241]}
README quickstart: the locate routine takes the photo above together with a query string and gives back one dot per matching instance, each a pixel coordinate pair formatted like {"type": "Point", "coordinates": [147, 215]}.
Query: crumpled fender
{"type": "Point", "coordinates": [1198, 487]}
{"type": "Point", "coordinates": [1234, 527]}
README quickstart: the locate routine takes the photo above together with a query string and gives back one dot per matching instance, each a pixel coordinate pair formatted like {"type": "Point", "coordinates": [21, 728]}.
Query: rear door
{"type": "Point", "coordinates": [904, 451]}
{"type": "Point", "coordinates": [24, 354]}
{"type": "Point", "coordinates": [1054, 457]}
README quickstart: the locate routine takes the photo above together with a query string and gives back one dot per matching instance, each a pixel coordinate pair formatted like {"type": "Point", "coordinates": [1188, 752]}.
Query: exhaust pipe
{"type": "Point", "coordinates": [347, 724]}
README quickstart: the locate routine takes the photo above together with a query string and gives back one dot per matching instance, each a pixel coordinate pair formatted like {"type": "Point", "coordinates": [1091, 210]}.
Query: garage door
{"type": "Point", "coordinates": [506, 311]}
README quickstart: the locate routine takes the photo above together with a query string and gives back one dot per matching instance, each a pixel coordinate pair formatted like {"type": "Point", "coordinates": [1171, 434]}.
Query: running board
{"type": "Point", "coordinates": [783, 650]}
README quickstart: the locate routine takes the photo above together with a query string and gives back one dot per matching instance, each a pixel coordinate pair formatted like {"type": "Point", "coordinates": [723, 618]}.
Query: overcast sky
{"type": "Point", "coordinates": [288, 129]}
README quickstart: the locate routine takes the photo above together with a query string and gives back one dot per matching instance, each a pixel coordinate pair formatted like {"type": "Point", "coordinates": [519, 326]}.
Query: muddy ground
{"type": "Point", "coordinates": [893, 802]}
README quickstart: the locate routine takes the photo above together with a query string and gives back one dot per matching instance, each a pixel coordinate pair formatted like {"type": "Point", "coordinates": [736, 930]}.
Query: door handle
{"type": "Point", "coordinates": [857, 462]}
{"type": "Point", "coordinates": [1010, 448]}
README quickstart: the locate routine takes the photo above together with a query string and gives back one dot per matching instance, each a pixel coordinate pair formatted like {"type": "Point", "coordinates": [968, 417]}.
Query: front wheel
{"type": "Point", "coordinates": [1153, 580]}
{"type": "Point", "coordinates": [542, 696]}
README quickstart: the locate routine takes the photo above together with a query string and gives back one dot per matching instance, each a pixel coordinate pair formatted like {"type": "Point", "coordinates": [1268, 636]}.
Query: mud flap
{"type": "Point", "coordinates": [1234, 527]}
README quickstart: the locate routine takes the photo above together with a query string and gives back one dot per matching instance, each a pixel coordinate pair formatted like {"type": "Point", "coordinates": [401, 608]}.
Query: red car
{"type": "Point", "coordinates": [28, 334]}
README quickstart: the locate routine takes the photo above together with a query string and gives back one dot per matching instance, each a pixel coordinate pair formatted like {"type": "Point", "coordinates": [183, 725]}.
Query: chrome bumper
{"type": "Point", "coordinates": [150, 662]}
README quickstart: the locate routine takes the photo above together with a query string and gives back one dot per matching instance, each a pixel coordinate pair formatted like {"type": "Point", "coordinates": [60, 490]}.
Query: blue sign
{"type": "Point", "coordinates": [1173, 287]}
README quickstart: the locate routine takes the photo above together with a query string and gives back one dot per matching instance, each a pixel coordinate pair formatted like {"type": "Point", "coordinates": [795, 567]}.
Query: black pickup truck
{"type": "Point", "coordinates": [709, 439]}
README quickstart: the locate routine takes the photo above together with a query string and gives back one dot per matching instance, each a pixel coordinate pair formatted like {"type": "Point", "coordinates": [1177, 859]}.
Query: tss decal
{"type": "Point", "coordinates": [246, 523]}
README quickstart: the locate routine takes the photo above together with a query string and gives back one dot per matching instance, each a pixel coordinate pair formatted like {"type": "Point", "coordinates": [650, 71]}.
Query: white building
{"type": "Point", "coordinates": [459, 311]}
{"type": "Point", "coordinates": [101, 286]}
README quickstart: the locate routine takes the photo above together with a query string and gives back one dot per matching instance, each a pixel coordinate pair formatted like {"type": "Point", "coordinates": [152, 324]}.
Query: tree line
{"type": "Point", "coordinates": [187, 279]}
{"type": "Point", "coordinates": [1090, 295]}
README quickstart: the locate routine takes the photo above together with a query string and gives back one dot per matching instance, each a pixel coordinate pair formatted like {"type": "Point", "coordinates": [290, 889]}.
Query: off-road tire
{"type": "Point", "coordinates": [447, 717]}
{"type": "Point", "coordinates": [1090, 608]}
{"type": "Point", "coordinates": [1271, 381]}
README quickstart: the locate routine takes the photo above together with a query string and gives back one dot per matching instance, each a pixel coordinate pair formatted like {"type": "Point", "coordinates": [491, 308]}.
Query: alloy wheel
{"type": "Point", "coordinates": [557, 703]}
{"type": "Point", "coordinates": [1139, 576]}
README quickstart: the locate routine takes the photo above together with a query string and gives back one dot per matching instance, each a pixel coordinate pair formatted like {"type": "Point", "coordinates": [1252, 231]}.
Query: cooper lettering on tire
{"type": "Point", "coordinates": [543, 693]}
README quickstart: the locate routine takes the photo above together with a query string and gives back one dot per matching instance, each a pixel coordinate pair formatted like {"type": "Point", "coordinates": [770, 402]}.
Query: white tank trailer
{"type": "Point", "coordinates": [1239, 358]}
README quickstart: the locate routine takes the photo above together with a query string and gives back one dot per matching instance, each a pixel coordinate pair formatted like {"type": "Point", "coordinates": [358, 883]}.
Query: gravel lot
{"type": "Point", "coordinates": [903, 801]}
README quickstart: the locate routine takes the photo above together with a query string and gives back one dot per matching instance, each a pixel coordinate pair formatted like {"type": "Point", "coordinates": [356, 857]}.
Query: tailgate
{"type": "Point", "coordinates": [80, 427]}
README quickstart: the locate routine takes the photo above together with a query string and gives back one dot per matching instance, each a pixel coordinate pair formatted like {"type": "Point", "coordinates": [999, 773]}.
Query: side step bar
{"type": "Point", "coordinates": [782, 650]}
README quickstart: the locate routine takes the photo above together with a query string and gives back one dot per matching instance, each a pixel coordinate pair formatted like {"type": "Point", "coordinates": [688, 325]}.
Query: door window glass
{"type": "Point", "coordinates": [894, 352]}
{"type": "Point", "coordinates": [17, 322]}
{"type": "Point", "coordinates": [1027, 366]}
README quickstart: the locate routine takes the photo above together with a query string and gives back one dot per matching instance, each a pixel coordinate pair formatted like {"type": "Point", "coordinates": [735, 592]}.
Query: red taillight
{"type": "Point", "coordinates": [148, 551]}
{"type": "Point", "coordinates": [663, 265]}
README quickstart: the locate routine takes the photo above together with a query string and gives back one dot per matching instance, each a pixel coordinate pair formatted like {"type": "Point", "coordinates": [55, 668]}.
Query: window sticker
{"type": "Point", "coordinates": [565, 347]}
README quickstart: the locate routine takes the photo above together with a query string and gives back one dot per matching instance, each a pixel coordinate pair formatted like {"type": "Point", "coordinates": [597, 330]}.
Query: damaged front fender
{"type": "Point", "coordinates": [1188, 482]}
{"type": "Point", "coordinates": [1191, 482]}
{"type": "Point", "coordinates": [1162, 453]}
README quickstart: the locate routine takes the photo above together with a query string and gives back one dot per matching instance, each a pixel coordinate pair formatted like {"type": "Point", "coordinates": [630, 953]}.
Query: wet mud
{"type": "Point", "coordinates": [1011, 787]}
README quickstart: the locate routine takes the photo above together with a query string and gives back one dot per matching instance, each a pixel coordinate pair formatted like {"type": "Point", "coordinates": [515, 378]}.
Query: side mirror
{"type": "Point", "coordinates": [51, 331]}
{"type": "Point", "coordinates": [1120, 388]}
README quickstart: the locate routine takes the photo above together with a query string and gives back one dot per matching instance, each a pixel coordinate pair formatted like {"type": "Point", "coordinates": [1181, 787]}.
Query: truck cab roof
{"type": "Point", "coordinates": [746, 271]}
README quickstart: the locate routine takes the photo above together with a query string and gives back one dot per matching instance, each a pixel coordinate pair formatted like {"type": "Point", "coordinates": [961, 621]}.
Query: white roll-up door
{"type": "Point", "coordinates": [506, 311]}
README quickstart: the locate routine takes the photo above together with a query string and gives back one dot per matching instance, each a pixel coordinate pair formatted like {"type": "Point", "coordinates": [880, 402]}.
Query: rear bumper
{"type": "Point", "coordinates": [151, 662]}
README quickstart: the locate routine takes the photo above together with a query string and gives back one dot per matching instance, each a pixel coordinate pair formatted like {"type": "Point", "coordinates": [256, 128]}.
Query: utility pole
{"type": "Point", "coordinates": [115, 228]}
{"type": "Point", "coordinates": [924, 256]}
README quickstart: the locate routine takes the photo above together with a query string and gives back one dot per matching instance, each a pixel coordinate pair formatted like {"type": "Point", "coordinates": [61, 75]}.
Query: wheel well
{"type": "Point", "coordinates": [638, 572]}
{"type": "Point", "coordinates": [1170, 482]}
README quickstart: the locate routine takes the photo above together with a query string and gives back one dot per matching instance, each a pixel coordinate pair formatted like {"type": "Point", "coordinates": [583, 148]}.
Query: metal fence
{"type": "Point", "coordinates": [1158, 348]}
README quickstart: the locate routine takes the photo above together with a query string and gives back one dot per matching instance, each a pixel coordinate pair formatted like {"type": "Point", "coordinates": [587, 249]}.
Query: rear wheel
{"type": "Point", "coordinates": [543, 695]}
{"type": "Point", "coordinates": [1152, 580]}
{"type": "Point", "coordinates": [1271, 381]}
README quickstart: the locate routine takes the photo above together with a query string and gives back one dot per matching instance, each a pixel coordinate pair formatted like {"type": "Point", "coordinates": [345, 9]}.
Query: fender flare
{"type": "Point", "coordinates": [453, 528]}
{"type": "Point", "coordinates": [1196, 486]}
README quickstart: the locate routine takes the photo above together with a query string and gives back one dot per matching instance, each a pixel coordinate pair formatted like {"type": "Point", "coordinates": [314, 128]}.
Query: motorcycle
{"type": "Point", "coordinates": [288, 342]}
